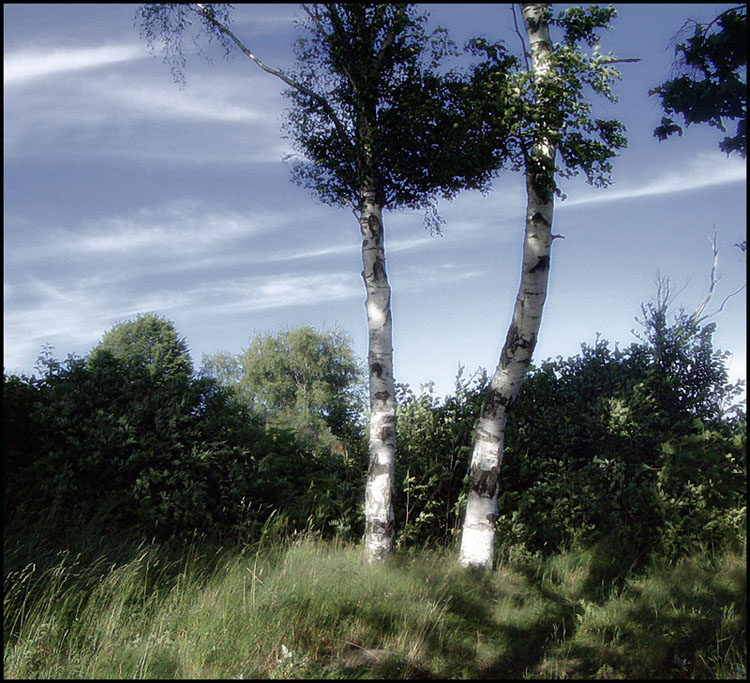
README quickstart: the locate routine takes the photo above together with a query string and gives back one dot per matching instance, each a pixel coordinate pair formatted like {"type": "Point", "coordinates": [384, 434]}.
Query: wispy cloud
{"type": "Point", "coordinates": [281, 291]}
{"type": "Point", "coordinates": [208, 99]}
{"type": "Point", "coordinates": [419, 278]}
{"type": "Point", "coordinates": [72, 314]}
{"type": "Point", "coordinates": [21, 67]}
{"type": "Point", "coordinates": [121, 113]}
{"type": "Point", "coordinates": [177, 227]}
{"type": "Point", "coordinates": [706, 170]}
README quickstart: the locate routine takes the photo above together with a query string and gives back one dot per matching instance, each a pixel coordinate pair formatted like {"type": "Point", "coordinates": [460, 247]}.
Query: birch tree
{"type": "Point", "coordinates": [551, 120]}
{"type": "Point", "coordinates": [378, 129]}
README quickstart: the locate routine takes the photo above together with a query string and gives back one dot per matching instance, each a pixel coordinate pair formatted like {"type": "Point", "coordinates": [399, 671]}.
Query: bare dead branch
{"type": "Point", "coordinates": [698, 316]}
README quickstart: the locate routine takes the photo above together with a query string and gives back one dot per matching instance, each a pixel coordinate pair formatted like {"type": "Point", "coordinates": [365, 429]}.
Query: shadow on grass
{"type": "Point", "coordinates": [495, 626]}
{"type": "Point", "coordinates": [680, 620]}
{"type": "Point", "coordinates": [57, 570]}
{"type": "Point", "coordinates": [578, 615]}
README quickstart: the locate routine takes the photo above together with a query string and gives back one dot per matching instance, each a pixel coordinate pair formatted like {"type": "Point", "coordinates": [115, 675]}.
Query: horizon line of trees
{"type": "Point", "coordinates": [642, 446]}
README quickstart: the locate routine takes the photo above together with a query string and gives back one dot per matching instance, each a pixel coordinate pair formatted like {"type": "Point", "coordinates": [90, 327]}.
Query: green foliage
{"type": "Point", "coordinates": [641, 448]}
{"type": "Point", "coordinates": [372, 103]}
{"type": "Point", "coordinates": [711, 87]}
{"type": "Point", "coordinates": [376, 107]}
{"type": "Point", "coordinates": [434, 444]}
{"type": "Point", "coordinates": [592, 440]}
{"type": "Point", "coordinates": [303, 608]}
{"type": "Point", "coordinates": [554, 108]}
{"type": "Point", "coordinates": [702, 486]}
{"type": "Point", "coordinates": [129, 436]}
{"type": "Point", "coordinates": [688, 376]}
{"type": "Point", "coordinates": [149, 342]}
{"type": "Point", "coordinates": [301, 379]}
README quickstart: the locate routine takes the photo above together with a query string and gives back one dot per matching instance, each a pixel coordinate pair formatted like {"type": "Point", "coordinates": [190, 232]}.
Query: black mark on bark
{"type": "Point", "coordinates": [378, 270]}
{"type": "Point", "coordinates": [484, 482]}
{"type": "Point", "coordinates": [539, 219]}
{"type": "Point", "coordinates": [515, 341]}
{"type": "Point", "coordinates": [377, 370]}
{"type": "Point", "coordinates": [377, 469]}
{"type": "Point", "coordinates": [387, 433]}
{"type": "Point", "coordinates": [541, 264]}
{"type": "Point", "coordinates": [494, 402]}
{"type": "Point", "coordinates": [378, 528]}
{"type": "Point", "coordinates": [375, 228]}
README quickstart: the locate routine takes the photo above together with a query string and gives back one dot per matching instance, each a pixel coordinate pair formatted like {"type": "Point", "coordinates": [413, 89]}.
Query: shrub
{"type": "Point", "coordinates": [129, 435]}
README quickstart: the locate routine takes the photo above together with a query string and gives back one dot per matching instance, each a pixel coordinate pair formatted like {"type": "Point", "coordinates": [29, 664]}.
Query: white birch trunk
{"type": "Point", "coordinates": [379, 517]}
{"type": "Point", "coordinates": [478, 534]}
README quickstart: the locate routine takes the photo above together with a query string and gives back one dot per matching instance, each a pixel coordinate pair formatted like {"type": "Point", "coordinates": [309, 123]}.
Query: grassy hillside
{"type": "Point", "coordinates": [308, 608]}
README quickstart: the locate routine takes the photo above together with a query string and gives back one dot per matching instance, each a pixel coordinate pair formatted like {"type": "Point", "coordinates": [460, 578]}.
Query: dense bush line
{"type": "Point", "coordinates": [131, 436]}
{"type": "Point", "coordinates": [640, 448]}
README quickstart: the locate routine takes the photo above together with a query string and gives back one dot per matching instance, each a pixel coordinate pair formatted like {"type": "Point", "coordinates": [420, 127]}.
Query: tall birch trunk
{"type": "Point", "coordinates": [478, 535]}
{"type": "Point", "coordinates": [379, 516]}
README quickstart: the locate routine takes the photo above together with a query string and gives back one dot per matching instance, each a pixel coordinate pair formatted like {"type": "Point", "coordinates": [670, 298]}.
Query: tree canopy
{"type": "Point", "coordinates": [556, 108]}
{"type": "Point", "coordinates": [301, 378]}
{"type": "Point", "coordinates": [372, 100]}
{"type": "Point", "coordinates": [395, 113]}
{"type": "Point", "coordinates": [149, 342]}
{"type": "Point", "coordinates": [711, 85]}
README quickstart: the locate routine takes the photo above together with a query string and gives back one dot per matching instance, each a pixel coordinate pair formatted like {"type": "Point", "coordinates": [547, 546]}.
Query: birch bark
{"type": "Point", "coordinates": [379, 515]}
{"type": "Point", "coordinates": [478, 534]}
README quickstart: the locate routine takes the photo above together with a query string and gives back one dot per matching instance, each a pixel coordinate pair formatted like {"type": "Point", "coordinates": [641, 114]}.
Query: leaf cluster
{"type": "Point", "coordinates": [375, 106]}
{"type": "Point", "coordinates": [149, 342]}
{"type": "Point", "coordinates": [643, 448]}
{"type": "Point", "coordinates": [170, 23]}
{"type": "Point", "coordinates": [402, 123]}
{"type": "Point", "coordinates": [712, 87]}
{"type": "Point", "coordinates": [553, 107]}
{"type": "Point", "coordinates": [434, 443]}
{"type": "Point", "coordinates": [131, 437]}
{"type": "Point", "coordinates": [640, 448]}
{"type": "Point", "coordinates": [302, 379]}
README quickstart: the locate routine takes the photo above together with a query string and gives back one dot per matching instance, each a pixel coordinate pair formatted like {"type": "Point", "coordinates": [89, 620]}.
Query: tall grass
{"type": "Point", "coordinates": [305, 608]}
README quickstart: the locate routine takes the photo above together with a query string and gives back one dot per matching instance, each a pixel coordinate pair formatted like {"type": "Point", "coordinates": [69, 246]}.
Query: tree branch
{"type": "Point", "coordinates": [387, 41]}
{"type": "Point", "coordinates": [520, 37]}
{"type": "Point", "coordinates": [208, 15]}
{"type": "Point", "coordinates": [622, 60]}
{"type": "Point", "coordinates": [335, 20]}
{"type": "Point", "coordinates": [697, 316]}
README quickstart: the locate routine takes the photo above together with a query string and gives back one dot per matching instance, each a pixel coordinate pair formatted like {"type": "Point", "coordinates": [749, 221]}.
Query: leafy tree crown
{"type": "Point", "coordinates": [554, 107]}
{"type": "Point", "coordinates": [149, 342]}
{"type": "Point", "coordinates": [401, 122]}
{"type": "Point", "coordinates": [712, 83]}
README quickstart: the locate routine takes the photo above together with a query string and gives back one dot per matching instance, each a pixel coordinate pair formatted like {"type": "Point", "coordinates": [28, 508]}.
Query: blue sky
{"type": "Point", "coordinates": [126, 194]}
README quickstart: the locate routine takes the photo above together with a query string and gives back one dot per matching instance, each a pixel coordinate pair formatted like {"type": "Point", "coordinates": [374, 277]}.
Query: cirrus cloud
{"type": "Point", "coordinates": [21, 67]}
